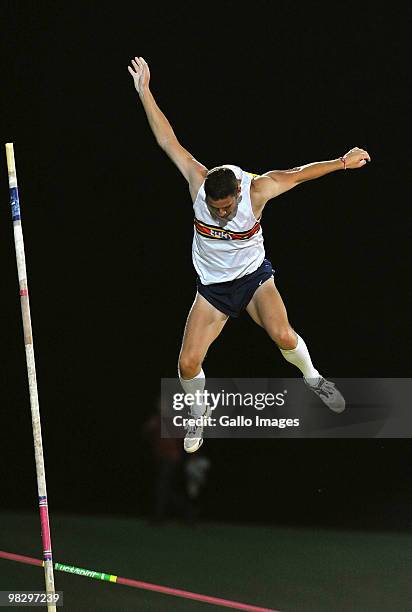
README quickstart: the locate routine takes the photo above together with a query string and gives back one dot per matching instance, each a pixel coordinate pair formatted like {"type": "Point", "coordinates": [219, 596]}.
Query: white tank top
{"type": "Point", "coordinates": [223, 250]}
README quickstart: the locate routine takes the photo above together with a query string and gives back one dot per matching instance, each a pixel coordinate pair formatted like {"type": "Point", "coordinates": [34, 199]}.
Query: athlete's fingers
{"type": "Point", "coordinates": [365, 154]}
{"type": "Point", "coordinates": [144, 64]}
{"type": "Point", "coordinates": [136, 66]}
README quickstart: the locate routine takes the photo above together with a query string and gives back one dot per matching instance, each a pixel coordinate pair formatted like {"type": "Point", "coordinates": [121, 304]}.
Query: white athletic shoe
{"type": "Point", "coordinates": [328, 393]}
{"type": "Point", "coordinates": [194, 437]}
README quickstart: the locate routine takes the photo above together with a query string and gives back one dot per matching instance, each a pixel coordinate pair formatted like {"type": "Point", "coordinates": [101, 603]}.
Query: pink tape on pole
{"type": "Point", "coordinates": [45, 529]}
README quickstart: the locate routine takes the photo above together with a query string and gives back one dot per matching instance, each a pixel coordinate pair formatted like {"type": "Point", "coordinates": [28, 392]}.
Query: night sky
{"type": "Point", "coordinates": [107, 223]}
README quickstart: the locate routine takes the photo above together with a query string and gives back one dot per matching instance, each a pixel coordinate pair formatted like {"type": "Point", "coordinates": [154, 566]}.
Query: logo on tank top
{"type": "Point", "coordinates": [218, 233]}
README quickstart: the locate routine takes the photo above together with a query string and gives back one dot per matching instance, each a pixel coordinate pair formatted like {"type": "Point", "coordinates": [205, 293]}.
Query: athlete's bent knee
{"type": "Point", "coordinates": [189, 366]}
{"type": "Point", "coordinates": [286, 339]}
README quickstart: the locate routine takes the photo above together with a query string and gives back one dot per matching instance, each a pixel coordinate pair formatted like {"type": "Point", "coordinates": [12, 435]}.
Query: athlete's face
{"type": "Point", "coordinates": [223, 209]}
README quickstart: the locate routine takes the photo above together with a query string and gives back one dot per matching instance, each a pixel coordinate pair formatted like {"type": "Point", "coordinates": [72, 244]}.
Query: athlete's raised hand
{"type": "Point", "coordinates": [140, 73]}
{"type": "Point", "coordinates": [356, 158]}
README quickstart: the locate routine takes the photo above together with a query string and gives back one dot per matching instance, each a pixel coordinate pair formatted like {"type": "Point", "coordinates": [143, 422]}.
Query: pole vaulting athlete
{"type": "Point", "coordinates": [229, 256]}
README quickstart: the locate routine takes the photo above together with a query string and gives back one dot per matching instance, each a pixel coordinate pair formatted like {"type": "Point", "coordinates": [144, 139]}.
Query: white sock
{"type": "Point", "coordinates": [192, 385]}
{"type": "Point", "coordinates": [300, 357]}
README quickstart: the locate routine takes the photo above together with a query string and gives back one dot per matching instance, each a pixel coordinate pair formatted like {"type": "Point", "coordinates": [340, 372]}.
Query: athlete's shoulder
{"type": "Point", "coordinates": [252, 175]}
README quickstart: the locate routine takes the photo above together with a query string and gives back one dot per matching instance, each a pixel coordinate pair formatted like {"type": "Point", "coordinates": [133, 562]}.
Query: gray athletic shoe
{"type": "Point", "coordinates": [194, 437]}
{"type": "Point", "coordinates": [328, 393]}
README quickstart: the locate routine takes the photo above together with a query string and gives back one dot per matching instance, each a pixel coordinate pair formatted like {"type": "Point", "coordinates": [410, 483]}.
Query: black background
{"type": "Point", "coordinates": [107, 224]}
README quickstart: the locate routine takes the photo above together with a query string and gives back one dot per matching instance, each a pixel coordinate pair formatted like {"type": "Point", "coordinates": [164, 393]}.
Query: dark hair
{"type": "Point", "coordinates": [220, 183]}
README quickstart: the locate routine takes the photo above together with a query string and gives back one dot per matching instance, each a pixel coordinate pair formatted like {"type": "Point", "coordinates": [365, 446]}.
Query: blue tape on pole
{"type": "Point", "coordinates": [14, 202]}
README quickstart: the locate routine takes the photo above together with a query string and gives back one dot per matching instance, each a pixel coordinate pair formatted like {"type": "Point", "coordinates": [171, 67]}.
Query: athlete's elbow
{"type": "Point", "coordinates": [163, 142]}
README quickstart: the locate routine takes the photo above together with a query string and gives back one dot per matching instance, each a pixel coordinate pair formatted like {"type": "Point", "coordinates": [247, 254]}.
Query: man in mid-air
{"type": "Point", "coordinates": [229, 256]}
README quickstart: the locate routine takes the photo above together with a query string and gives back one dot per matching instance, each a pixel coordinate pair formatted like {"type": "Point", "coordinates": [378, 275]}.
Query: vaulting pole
{"type": "Point", "coordinates": [31, 372]}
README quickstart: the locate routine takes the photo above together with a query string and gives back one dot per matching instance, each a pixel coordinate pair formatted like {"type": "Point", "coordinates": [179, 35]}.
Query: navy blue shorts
{"type": "Point", "coordinates": [233, 296]}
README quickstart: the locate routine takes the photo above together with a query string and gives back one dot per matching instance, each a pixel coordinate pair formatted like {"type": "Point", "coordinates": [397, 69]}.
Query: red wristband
{"type": "Point", "coordinates": [343, 160]}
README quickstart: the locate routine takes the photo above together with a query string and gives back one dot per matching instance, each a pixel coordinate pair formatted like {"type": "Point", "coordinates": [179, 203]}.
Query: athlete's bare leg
{"type": "Point", "coordinates": [268, 310]}
{"type": "Point", "coordinates": [204, 324]}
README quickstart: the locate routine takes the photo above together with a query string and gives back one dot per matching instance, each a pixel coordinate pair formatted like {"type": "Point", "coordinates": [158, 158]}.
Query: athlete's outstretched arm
{"type": "Point", "coordinates": [192, 170]}
{"type": "Point", "coordinates": [272, 184]}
